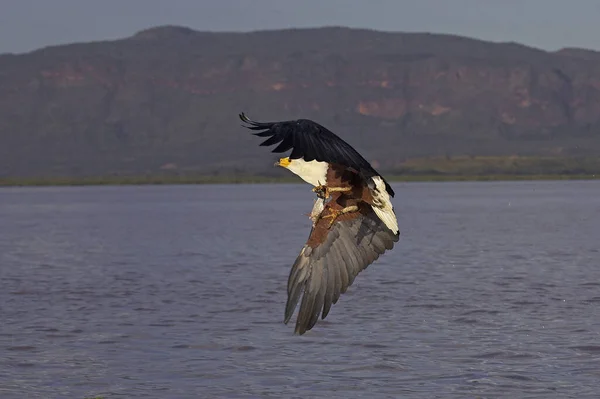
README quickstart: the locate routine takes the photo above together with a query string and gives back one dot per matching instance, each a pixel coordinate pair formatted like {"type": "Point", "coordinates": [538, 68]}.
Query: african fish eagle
{"type": "Point", "coordinates": [353, 218]}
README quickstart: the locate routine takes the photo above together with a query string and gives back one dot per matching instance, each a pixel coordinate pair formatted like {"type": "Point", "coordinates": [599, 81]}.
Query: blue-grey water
{"type": "Point", "coordinates": [178, 292]}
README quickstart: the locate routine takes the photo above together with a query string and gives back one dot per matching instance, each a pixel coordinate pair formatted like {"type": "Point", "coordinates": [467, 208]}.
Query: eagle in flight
{"type": "Point", "coordinates": [353, 220]}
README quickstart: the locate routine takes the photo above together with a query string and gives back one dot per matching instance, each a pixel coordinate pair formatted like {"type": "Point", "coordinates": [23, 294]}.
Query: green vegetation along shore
{"type": "Point", "coordinates": [149, 180]}
{"type": "Point", "coordinates": [463, 168]}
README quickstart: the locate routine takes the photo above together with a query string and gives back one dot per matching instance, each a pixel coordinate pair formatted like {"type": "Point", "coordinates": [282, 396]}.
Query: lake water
{"type": "Point", "coordinates": [179, 291]}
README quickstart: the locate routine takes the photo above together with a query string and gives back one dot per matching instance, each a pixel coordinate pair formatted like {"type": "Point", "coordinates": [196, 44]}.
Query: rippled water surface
{"type": "Point", "coordinates": [178, 292]}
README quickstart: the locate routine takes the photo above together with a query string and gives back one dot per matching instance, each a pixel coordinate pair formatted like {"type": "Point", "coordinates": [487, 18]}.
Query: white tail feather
{"type": "Point", "coordinates": [383, 206]}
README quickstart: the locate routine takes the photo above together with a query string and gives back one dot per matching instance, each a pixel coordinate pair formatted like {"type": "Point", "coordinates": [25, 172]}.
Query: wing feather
{"type": "Point", "coordinates": [286, 144]}
{"type": "Point", "coordinates": [319, 298]}
{"type": "Point", "coordinates": [343, 269]}
{"type": "Point", "coordinates": [270, 141]}
{"type": "Point", "coordinates": [296, 282]}
{"type": "Point", "coordinates": [323, 272]}
{"type": "Point", "coordinates": [378, 244]}
{"type": "Point", "coordinates": [352, 265]}
{"type": "Point", "coordinates": [329, 290]}
{"type": "Point", "coordinates": [337, 287]}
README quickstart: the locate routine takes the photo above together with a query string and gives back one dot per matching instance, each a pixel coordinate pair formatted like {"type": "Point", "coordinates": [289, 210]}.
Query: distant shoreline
{"type": "Point", "coordinates": [174, 180]}
{"type": "Point", "coordinates": [426, 169]}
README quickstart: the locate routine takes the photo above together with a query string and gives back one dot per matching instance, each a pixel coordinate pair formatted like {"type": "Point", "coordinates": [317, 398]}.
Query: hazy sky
{"type": "Point", "coordinates": [26, 25]}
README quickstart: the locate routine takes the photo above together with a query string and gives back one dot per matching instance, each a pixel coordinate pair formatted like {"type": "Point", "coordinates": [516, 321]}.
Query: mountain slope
{"type": "Point", "coordinates": [167, 99]}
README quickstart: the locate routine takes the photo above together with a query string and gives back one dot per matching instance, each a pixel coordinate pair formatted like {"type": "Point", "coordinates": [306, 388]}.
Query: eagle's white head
{"type": "Point", "coordinates": [313, 172]}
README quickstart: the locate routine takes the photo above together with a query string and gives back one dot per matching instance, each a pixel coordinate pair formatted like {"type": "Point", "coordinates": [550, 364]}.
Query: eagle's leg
{"type": "Point", "coordinates": [339, 189]}
{"type": "Point", "coordinates": [334, 214]}
{"type": "Point", "coordinates": [324, 191]}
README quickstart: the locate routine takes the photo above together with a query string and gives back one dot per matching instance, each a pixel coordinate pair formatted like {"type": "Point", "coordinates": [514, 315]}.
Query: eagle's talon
{"type": "Point", "coordinates": [334, 214]}
{"type": "Point", "coordinates": [321, 191]}
{"type": "Point", "coordinates": [324, 192]}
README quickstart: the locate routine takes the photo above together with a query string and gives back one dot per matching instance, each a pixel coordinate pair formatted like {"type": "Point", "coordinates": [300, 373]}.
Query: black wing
{"type": "Point", "coordinates": [309, 140]}
{"type": "Point", "coordinates": [326, 271]}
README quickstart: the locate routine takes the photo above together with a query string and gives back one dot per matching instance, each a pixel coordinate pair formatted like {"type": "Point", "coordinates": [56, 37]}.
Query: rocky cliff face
{"type": "Point", "coordinates": [167, 99]}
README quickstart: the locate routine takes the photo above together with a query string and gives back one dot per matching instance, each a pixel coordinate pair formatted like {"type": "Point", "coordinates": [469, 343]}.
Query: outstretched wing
{"type": "Point", "coordinates": [309, 140]}
{"type": "Point", "coordinates": [331, 259]}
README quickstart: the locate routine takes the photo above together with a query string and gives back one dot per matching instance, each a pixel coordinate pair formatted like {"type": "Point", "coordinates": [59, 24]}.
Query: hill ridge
{"type": "Point", "coordinates": [169, 103]}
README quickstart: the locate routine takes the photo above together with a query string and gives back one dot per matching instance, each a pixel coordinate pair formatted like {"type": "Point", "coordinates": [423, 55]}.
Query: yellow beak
{"type": "Point", "coordinates": [283, 162]}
